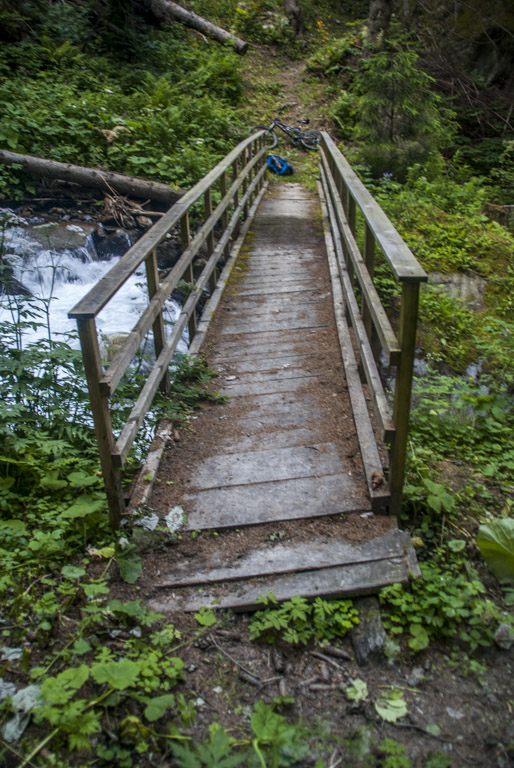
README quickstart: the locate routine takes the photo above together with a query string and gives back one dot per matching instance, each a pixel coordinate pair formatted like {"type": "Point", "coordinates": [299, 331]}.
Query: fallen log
{"type": "Point", "coordinates": [107, 181]}
{"type": "Point", "coordinates": [166, 10]}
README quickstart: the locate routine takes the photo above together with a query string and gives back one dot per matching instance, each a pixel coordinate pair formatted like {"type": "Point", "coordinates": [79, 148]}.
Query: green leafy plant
{"type": "Point", "coordinates": [391, 706]}
{"type": "Point", "coordinates": [297, 621]}
{"type": "Point", "coordinates": [443, 604]}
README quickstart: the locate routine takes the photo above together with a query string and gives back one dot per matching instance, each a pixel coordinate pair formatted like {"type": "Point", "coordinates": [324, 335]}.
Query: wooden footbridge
{"type": "Point", "coordinates": [300, 471]}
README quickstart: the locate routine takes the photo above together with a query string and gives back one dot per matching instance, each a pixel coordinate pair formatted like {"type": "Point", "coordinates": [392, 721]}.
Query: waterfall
{"type": "Point", "coordinates": [57, 264]}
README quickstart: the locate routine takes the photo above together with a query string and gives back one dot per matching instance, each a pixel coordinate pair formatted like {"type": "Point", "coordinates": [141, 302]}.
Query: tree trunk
{"type": "Point", "coordinates": [378, 19]}
{"type": "Point", "coordinates": [169, 11]}
{"type": "Point", "coordinates": [295, 15]}
{"type": "Point", "coordinates": [90, 177]}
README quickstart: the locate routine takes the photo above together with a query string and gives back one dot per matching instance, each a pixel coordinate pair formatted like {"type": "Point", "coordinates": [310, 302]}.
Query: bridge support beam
{"type": "Point", "coordinates": [403, 390]}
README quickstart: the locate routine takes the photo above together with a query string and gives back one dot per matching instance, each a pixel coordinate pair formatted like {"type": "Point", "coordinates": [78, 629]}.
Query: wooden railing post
{"type": "Point", "coordinates": [101, 417]}
{"type": "Point", "coordinates": [185, 238]}
{"type": "Point", "coordinates": [159, 335]}
{"type": "Point", "coordinates": [245, 184]}
{"type": "Point", "coordinates": [224, 215]}
{"type": "Point", "coordinates": [403, 390]}
{"type": "Point", "coordinates": [236, 196]}
{"type": "Point", "coordinates": [369, 260]}
{"type": "Point", "coordinates": [207, 198]}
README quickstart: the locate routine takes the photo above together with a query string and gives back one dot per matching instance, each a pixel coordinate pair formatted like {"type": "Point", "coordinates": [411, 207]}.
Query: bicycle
{"type": "Point", "coordinates": [299, 138]}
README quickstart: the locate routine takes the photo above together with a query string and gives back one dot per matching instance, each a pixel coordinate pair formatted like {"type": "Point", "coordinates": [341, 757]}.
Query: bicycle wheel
{"type": "Point", "coordinates": [310, 140]}
{"type": "Point", "coordinates": [309, 144]}
{"type": "Point", "coordinates": [270, 131]}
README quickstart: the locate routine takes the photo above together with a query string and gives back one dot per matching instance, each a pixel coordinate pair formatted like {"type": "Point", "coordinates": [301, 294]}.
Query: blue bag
{"type": "Point", "coordinates": [278, 165]}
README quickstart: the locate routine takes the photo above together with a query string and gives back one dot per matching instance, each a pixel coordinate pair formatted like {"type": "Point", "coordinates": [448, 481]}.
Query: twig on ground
{"type": "Point", "coordinates": [234, 661]}
{"type": "Point", "coordinates": [328, 660]}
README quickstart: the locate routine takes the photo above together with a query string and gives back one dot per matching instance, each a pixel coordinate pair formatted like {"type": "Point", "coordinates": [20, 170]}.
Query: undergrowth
{"type": "Point", "coordinates": [299, 622]}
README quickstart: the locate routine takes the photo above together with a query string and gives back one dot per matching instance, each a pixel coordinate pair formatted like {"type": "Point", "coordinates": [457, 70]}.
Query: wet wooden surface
{"type": "Point", "coordinates": [266, 342]}
{"type": "Point", "coordinates": [286, 447]}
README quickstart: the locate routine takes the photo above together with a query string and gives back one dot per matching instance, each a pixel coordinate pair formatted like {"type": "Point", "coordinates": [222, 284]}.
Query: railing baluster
{"type": "Point", "coordinates": [101, 417]}
{"type": "Point", "coordinates": [369, 260]}
{"type": "Point", "coordinates": [236, 196]}
{"type": "Point", "coordinates": [185, 238]}
{"type": "Point", "coordinates": [403, 390]}
{"type": "Point", "coordinates": [245, 183]}
{"type": "Point", "coordinates": [210, 237]}
{"type": "Point", "coordinates": [159, 335]}
{"type": "Point", "coordinates": [224, 215]}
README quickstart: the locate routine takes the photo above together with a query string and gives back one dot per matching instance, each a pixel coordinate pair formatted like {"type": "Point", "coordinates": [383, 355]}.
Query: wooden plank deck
{"type": "Point", "coordinates": [284, 447]}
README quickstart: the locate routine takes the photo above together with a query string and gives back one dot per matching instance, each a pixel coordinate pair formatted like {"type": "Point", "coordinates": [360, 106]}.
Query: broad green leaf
{"type": "Point", "coordinates": [391, 707]}
{"type": "Point", "coordinates": [206, 617]}
{"type": "Point", "coordinates": [73, 572]}
{"type": "Point", "coordinates": [51, 481]}
{"type": "Point", "coordinates": [118, 674]}
{"type": "Point", "coordinates": [358, 691]}
{"type": "Point", "coordinates": [16, 526]}
{"type": "Point", "coordinates": [93, 590]}
{"type": "Point", "coordinates": [82, 479]}
{"type": "Point", "coordinates": [457, 545]}
{"type": "Point", "coordinates": [131, 608]}
{"type": "Point", "coordinates": [85, 505]}
{"type": "Point", "coordinates": [419, 637]}
{"type": "Point", "coordinates": [158, 706]}
{"type": "Point", "coordinates": [129, 563]}
{"type": "Point", "coordinates": [81, 646]}
{"type": "Point", "coordinates": [496, 543]}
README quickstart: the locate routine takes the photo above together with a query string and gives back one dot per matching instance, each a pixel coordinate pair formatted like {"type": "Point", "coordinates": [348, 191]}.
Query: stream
{"type": "Point", "coordinates": [51, 265]}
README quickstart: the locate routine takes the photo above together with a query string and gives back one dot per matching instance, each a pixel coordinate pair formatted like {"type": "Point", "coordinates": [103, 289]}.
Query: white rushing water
{"type": "Point", "coordinates": [57, 265]}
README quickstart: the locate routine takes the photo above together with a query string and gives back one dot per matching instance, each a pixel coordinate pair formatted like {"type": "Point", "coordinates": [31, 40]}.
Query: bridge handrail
{"type": "Point", "coordinates": [346, 195]}
{"type": "Point", "coordinates": [247, 165]}
{"type": "Point", "coordinates": [404, 265]}
{"type": "Point", "coordinates": [94, 301]}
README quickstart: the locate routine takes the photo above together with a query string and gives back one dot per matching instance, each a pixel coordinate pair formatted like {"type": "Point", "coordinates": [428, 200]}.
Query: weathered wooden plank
{"type": "Point", "coordinates": [285, 558]}
{"type": "Point", "coordinates": [264, 325]}
{"type": "Point", "coordinates": [258, 364]}
{"type": "Point", "coordinates": [276, 289]}
{"type": "Point", "coordinates": [146, 478]}
{"type": "Point", "coordinates": [231, 351]}
{"type": "Point", "coordinates": [274, 383]}
{"type": "Point", "coordinates": [276, 439]}
{"type": "Point", "coordinates": [338, 582]}
{"type": "Point", "coordinates": [295, 499]}
{"type": "Point", "coordinates": [276, 417]}
{"type": "Point", "coordinates": [266, 466]}
{"type": "Point", "coordinates": [289, 280]}
{"type": "Point", "coordinates": [411, 561]}
{"type": "Point", "coordinates": [279, 372]}
{"type": "Point", "coordinates": [274, 308]}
